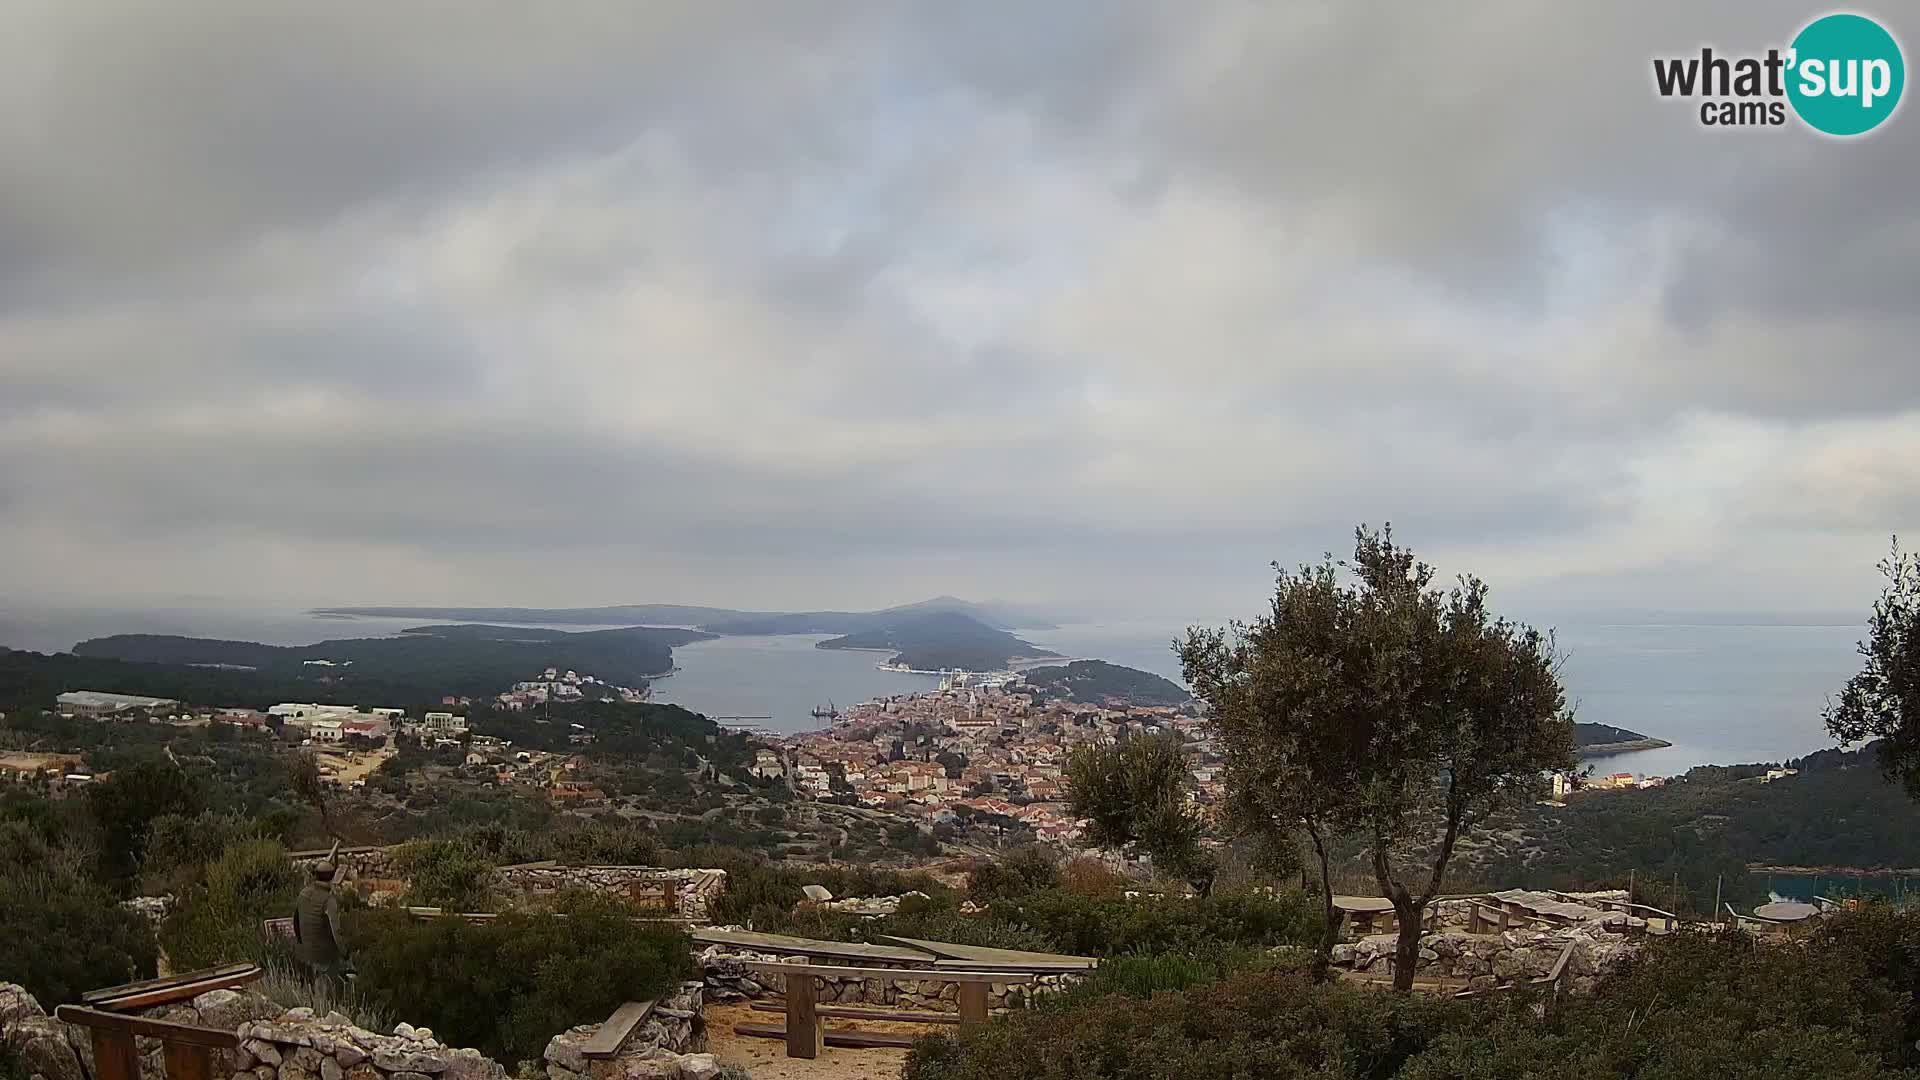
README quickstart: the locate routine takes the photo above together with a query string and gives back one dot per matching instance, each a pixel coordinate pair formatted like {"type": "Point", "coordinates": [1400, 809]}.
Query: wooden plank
{"type": "Point", "coordinates": [114, 1055]}
{"type": "Point", "coordinates": [845, 1038]}
{"type": "Point", "coordinates": [774, 967]}
{"type": "Point", "coordinates": [188, 1061]}
{"type": "Point", "coordinates": [217, 970]}
{"type": "Point", "coordinates": [606, 1041]}
{"type": "Point", "coordinates": [799, 946]}
{"type": "Point", "coordinates": [164, 995]}
{"type": "Point", "coordinates": [158, 1029]}
{"type": "Point", "coordinates": [803, 1022]}
{"type": "Point", "coordinates": [973, 1004]}
{"type": "Point", "coordinates": [842, 1012]}
{"type": "Point", "coordinates": [952, 955]}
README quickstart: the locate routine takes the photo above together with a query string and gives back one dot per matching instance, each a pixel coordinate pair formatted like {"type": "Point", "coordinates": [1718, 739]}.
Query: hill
{"type": "Point", "coordinates": [472, 659]}
{"type": "Point", "coordinates": [941, 641]}
{"type": "Point", "coordinates": [1594, 739]}
{"type": "Point", "coordinates": [1099, 681]}
{"type": "Point", "coordinates": [718, 620]}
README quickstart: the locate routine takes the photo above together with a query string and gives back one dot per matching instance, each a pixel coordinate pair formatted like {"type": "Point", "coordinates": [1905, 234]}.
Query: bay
{"type": "Point", "coordinates": [1723, 692]}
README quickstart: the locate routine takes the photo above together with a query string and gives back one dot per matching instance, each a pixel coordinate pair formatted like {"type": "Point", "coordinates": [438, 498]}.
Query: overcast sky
{"type": "Point", "coordinates": [820, 304]}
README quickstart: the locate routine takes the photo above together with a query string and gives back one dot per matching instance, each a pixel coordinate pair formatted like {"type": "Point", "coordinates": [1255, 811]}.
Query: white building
{"type": "Point", "coordinates": [327, 730]}
{"type": "Point", "coordinates": [443, 723]}
{"type": "Point", "coordinates": [98, 703]}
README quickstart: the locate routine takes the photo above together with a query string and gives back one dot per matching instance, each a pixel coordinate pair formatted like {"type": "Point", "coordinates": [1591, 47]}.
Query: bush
{"type": "Point", "coordinates": [509, 984]}
{"type": "Point", "coordinates": [1021, 872]}
{"type": "Point", "coordinates": [62, 935]}
{"type": "Point", "coordinates": [1142, 975]}
{"type": "Point", "coordinates": [451, 874]}
{"type": "Point", "coordinates": [219, 921]}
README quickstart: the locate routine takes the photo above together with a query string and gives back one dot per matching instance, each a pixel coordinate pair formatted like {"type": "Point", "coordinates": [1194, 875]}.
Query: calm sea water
{"type": "Point", "coordinates": [1722, 694]}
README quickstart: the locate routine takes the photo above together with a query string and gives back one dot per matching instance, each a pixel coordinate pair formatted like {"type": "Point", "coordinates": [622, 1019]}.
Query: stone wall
{"type": "Point", "coordinates": [729, 979]}
{"type": "Point", "coordinates": [669, 1044]}
{"type": "Point", "coordinates": [692, 889]}
{"type": "Point", "coordinates": [1490, 960]}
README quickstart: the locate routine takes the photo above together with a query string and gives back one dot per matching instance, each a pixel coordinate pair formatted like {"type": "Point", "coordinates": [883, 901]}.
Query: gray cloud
{"type": "Point", "coordinates": [851, 303]}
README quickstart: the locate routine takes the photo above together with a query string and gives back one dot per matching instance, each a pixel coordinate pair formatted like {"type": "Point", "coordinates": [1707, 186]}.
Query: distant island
{"type": "Point", "coordinates": [467, 659]}
{"type": "Point", "coordinates": [941, 641]}
{"type": "Point", "coordinates": [1599, 740]}
{"type": "Point", "coordinates": [1100, 682]}
{"type": "Point", "coordinates": [1001, 616]}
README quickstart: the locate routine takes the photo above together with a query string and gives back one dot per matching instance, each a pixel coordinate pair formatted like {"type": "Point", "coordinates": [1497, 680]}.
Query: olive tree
{"type": "Point", "coordinates": [1369, 703]}
{"type": "Point", "coordinates": [1134, 796]}
{"type": "Point", "coordinates": [1883, 700]}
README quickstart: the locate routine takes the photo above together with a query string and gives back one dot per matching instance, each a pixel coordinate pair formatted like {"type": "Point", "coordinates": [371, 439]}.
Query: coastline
{"type": "Point", "coordinates": [1612, 748]}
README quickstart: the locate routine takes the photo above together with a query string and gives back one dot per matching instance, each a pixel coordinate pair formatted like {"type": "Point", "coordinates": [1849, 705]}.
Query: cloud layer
{"type": "Point", "coordinates": [1101, 304]}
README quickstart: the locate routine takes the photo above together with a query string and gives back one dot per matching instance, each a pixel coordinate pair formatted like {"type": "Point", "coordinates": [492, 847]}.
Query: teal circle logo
{"type": "Point", "coordinates": [1846, 74]}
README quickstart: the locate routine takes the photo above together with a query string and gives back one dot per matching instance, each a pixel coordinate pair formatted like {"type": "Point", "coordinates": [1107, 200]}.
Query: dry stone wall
{"type": "Point", "coordinates": [729, 979]}
{"type": "Point", "coordinates": [692, 889]}
{"type": "Point", "coordinates": [1489, 960]}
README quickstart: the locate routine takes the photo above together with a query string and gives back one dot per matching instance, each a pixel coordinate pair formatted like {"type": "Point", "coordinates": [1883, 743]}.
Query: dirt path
{"type": "Point", "coordinates": [768, 1060]}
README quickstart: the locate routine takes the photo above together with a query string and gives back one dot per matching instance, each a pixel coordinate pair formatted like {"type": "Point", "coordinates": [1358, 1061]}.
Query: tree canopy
{"type": "Point", "coordinates": [1133, 794]}
{"type": "Point", "coordinates": [1882, 701]}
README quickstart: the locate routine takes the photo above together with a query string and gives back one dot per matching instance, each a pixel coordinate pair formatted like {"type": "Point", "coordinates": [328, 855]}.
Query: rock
{"type": "Point", "coordinates": [565, 1053]}
{"type": "Point", "coordinates": [555, 1072]}
{"type": "Point", "coordinates": [290, 1071]}
{"type": "Point", "coordinates": [816, 893]}
{"type": "Point", "coordinates": [266, 1072]}
{"type": "Point", "coordinates": [298, 1015]}
{"type": "Point", "coordinates": [410, 1061]}
{"type": "Point", "coordinates": [229, 1009]}
{"type": "Point", "coordinates": [364, 1071]}
{"type": "Point", "coordinates": [468, 1064]}
{"type": "Point", "coordinates": [403, 1029]}
{"type": "Point", "coordinates": [409, 1075]}
{"type": "Point", "coordinates": [281, 1033]}
{"type": "Point", "coordinates": [698, 1067]}
{"type": "Point", "coordinates": [348, 1054]}
{"type": "Point", "coordinates": [240, 1059]}
{"type": "Point", "coordinates": [39, 1042]}
{"type": "Point", "coordinates": [266, 1052]}
{"type": "Point", "coordinates": [305, 1058]}
{"type": "Point", "coordinates": [331, 1070]}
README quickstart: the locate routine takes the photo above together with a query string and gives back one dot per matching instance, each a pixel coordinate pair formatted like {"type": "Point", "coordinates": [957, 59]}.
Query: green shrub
{"type": "Point", "coordinates": [509, 984]}
{"type": "Point", "coordinates": [219, 921]}
{"type": "Point", "coordinates": [62, 935]}
{"type": "Point", "coordinates": [1021, 872]}
{"type": "Point", "coordinates": [452, 874]}
{"type": "Point", "coordinates": [1143, 975]}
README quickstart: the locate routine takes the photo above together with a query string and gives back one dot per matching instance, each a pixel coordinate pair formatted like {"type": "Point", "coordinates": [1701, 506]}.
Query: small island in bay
{"type": "Point", "coordinates": [942, 641]}
{"type": "Point", "coordinates": [1597, 740]}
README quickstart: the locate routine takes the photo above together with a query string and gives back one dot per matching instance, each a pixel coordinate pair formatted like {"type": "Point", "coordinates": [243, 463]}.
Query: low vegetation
{"type": "Point", "coordinates": [1692, 1006]}
{"type": "Point", "coordinates": [508, 984]}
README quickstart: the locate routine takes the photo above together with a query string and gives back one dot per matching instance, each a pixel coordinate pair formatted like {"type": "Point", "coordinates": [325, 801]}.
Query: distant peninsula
{"type": "Point", "coordinates": [1099, 682]}
{"type": "Point", "coordinates": [942, 641]}
{"type": "Point", "coordinates": [714, 620]}
{"type": "Point", "coordinates": [1599, 740]}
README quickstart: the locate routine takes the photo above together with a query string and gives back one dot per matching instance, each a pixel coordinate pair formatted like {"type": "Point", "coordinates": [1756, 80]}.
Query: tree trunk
{"type": "Point", "coordinates": [1330, 932]}
{"type": "Point", "coordinates": [1406, 951]}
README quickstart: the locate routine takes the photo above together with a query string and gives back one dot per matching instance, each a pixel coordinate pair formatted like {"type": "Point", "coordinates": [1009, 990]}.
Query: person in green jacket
{"type": "Point", "coordinates": [316, 925]}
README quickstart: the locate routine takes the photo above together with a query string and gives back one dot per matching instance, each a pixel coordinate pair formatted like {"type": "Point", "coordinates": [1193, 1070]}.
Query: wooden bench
{"type": "Point", "coordinates": [606, 1041]}
{"type": "Point", "coordinates": [188, 1049]}
{"type": "Point", "coordinates": [803, 1031]}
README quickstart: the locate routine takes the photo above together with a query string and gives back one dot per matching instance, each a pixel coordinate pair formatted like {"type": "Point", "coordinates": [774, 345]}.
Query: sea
{"type": "Point", "coordinates": [1722, 691]}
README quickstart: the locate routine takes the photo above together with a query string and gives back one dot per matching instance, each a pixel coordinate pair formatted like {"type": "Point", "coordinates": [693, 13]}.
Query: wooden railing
{"type": "Point", "coordinates": [188, 1050]}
